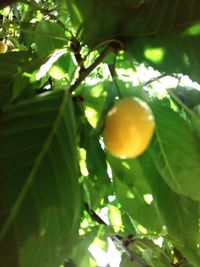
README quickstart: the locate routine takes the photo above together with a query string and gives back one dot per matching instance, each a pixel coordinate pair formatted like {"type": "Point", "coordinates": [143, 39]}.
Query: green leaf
{"type": "Point", "coordinates": [126, 262]}
{"type": "Point", "coordinates": [172, 52]}
{"type": "Point", "coordinates": [115, 218]}
{"type": "Point", "coordinates": [14, 67]}
{"type": "Point", "coordinates": [66, 64]}
{"type": "Point", "coordinates": [80, 254]}
{"type": "Point", "coordinates": [176, 152]}
{"type": "Point", "coordinates": [130, 187]}
{"type": "Point", "coordinates": [38, 172]}
{"type": "Point", "coordinates": [100, 97]}
{"type": "Point", "coordinates": [130, 18]}
{"type": "Point", "coordinates": [27, 28]}
{"type": "Point", "coordinates": [97, 182]}
{"type": "Point", "coordinates": [179, 214]}
{"type": "Point", "coordinates": [146, 30]}
{"type": "Point", "coordinates": [49, 36]}
{"type": "Point", "coordinates": [153, 254]}
{"type": "Point", "coordinates": [136, 208]}
{"type": "Point", "coordinates": [187, 95]}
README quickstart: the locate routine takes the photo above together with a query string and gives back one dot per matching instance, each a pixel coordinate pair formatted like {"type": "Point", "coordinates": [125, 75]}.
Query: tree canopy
{"type": "Point", "coordinates": [64, 197]}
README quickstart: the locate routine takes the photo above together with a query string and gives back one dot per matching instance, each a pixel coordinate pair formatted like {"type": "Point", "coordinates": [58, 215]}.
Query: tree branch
{"type": "Point", "coordinates": [86, 71]}
{"type": "Point", "coordinates": [93, 215]}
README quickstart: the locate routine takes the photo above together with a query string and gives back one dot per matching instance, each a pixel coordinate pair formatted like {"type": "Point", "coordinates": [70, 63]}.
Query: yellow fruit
{"type": "Point", "coordinates": [129, 127]}
{"type": "Point", "coordinates": [3, 47]}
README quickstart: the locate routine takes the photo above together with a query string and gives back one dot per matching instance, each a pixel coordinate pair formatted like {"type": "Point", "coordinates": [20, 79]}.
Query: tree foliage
{"type": "Point", "coordinates": [67, 63]}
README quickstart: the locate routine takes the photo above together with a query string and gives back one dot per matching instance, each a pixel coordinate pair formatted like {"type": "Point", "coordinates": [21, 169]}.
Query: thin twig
{"type": "Point", "coordinates": [159, 77]}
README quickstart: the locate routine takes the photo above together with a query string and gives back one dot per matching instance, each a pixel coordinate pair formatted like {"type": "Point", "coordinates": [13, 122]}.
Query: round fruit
{"type": "Point", "coordinates": [129, 127]}
{"type": "Point", "coordinates": [3, 47]}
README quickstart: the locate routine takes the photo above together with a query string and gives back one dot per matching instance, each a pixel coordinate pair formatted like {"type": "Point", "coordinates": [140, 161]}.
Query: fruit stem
{"type": "Point", "coordinates": [114, 77]}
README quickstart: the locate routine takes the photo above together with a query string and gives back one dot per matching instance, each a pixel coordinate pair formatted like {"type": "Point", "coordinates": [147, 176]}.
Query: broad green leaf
{"type": "Point", "coordinates": [27, 28]}
{"type": "Point", "coordinates": [115, 218]}
{"type": "Point", "coordinates": [97, 182]}
{"type": "Point", "coordinates": [61, 7]}
{"type": "Point", "coordinates": [172, 52]}
{"type": "Point", "coordinates": [179, 214]}
{"type": "Point", "coordinates": [176, 152]}
{"type": "Point", "coordinates": [80, 254]}
{"type": "Point", "coordinates": [66, 64]}
{"type": "Point", "coordinates": [196, 122]}
{"type": "Point", "coordinates": [128, 224]}
{"type": "Point", "coordinates": [130, 172]}
{"type": "Point", "coordinates": [49, 36]}
{"type": "Point", "coordinates": [163, 34]}
{"type": "Point", "coordinates": [105, 19]}
{"type": "Point", "coordinates": [188, 96]}
{"type": "Point", "coordinates": [40, 207]}
{"type": "Point", "coordinates": [136, 208]}
{"type": "Point", "coordinates": [101, 98]}
{"type": "Point", "coordinates": [12, 66]}
{"type": "Point", "coordinates": [94, 95]}
{"type": "Point", "coordinates": [153, 255]}
{"type": "Point", "coordinates": [15, 68]}
{"type": "Point", "coordinates": [131, 187]}
{"type": "Point", "coordinates": [126, 262]}
{"type": "Point", "coordinates": [185, 264]}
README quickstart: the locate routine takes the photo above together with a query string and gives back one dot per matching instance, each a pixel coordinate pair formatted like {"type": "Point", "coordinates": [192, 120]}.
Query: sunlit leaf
{"type": "Point", "coordinates": [130, 187]}
{"type": "Point", "coordinates": [80, 254]}
{"type": "Point", "coordinates": [14, 67]}
{"type": "Point", "coordinates": [98, 180]}
{"type": "Point", "coordinates": [178, 213]}
{"type": "Point", "coordinates": [177, 52]}
{"type": "Point", "coordinates": [176, 152]}
{"type": "Point", "coordinates": [49, 36]}
{"type": "Point", "coordinates": [145, 28]}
